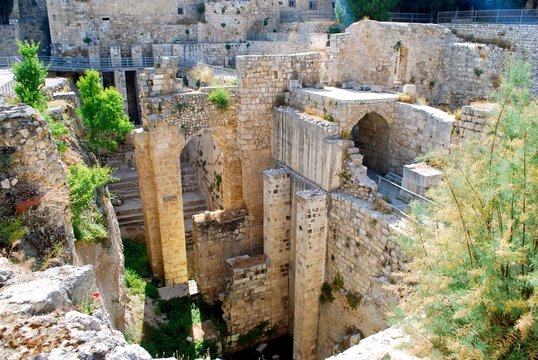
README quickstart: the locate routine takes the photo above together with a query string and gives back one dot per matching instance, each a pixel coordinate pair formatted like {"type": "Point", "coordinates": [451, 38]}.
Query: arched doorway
{"type": "Point", "coordinates": [201, 164]}
{"type": "Point", "coordinates": [371, 136]}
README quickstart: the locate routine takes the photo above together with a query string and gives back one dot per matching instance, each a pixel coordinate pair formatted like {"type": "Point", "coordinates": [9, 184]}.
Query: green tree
{"type": "Point", "coordinates": [350, 11]}
{"type": "Point", "coordinates": [474, 272]}
{"type": "Point", "coordinates": [30, 76]}
{"type": "Point", "coordinates": [102, 113]}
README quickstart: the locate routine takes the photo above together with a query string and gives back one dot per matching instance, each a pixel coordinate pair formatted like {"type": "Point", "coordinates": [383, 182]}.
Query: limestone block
{"type": "Point", "coordinates": [419, 178]}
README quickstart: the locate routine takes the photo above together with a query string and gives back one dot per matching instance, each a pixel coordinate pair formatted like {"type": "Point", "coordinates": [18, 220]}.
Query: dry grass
{"type": "Point", "coordinates": [204, 74]}
{"type": "Point", "coordinates": [457, 114]}
{"type": "Point", "coordinates": [484, 54]}
{"type": "Point", "coordinates": [422, 101]}
{"type": "Point", "coordinates": [406, 98]}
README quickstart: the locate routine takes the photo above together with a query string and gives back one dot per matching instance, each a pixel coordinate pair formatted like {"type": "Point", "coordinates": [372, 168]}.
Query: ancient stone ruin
{"type": "Point", "coordinates": [280, 208]}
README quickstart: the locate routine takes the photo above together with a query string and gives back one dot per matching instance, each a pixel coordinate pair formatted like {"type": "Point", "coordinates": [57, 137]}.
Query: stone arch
{"type": "Point", "coordinates": [158, 150]}
{"type": "Point", "coordinates": [371, 135]}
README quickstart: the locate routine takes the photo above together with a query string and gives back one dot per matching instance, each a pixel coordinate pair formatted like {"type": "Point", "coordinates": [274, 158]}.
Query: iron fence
{"type": "Point", "coordinates": [504, 16]}
{"type": "Point", "coordinates": [8, 88]}
{"type": "Point", "coordinates": [501, 16]}
{"type": "Point", "coordinates": [7, 62]}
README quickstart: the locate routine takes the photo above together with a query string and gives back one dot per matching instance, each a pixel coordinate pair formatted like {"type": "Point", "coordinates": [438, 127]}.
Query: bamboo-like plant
{"type": "Point", "coordinates": [474, 275]}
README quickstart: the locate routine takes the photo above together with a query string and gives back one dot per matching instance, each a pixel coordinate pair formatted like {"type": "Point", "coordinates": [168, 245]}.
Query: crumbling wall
{"type": "Point", "coordinates": [33, 184]}
{"type": "Point", "coordinates": [473, 121]}
{"type": "Point", "coordinates": [429, 56]}
{"type": "Point", "coordinates": [523, 37]}
{"type": "Point", "coordinates": [217, 237]}
{"type": "Point", "coordinates": [360, 250]}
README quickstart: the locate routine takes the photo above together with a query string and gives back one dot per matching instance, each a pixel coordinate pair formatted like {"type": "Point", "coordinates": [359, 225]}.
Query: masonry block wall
{"type": "Point", "coordinates": [473, 121]}
{"type": "Point", "coordinates": [311, 235]}
{"type": "Point", "coordinates": [523, 37]}
{"type": "Point", "coordinates": [262, 81]}
{"type": "Point", "coordinates": [423, 54]}
{"type": "Point", "coordinates": [217, 237]}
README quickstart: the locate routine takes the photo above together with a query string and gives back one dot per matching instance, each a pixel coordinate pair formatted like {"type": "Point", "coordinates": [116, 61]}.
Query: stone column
{"type": "Point", "coordinates": [136, 54]}
{"type": "Point", "coordinates": [311, 248]}
{"type": "Point", "coordinates": [121, 86]}
{"type": "Point", "coordinates": [161, 197]}
{"type": "Point", "coordinates": [115, 56]}
{"type": "Point", "coordinates": [276, 229]}
{"type": "Point", "coordinates": [93, 54]}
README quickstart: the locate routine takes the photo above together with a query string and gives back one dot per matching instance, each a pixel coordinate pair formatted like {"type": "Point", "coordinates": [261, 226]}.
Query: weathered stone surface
{"type": "Point", "coordinates": [383, 345]}
{"type": "Point", "coordinates": [40, 317]}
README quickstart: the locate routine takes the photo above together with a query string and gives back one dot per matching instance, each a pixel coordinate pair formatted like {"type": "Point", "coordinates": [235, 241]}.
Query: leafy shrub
{"type": "Point", "coordinates": [83, 181]}
{"type": "Point", "coordinates": [30, 76]}
{"type": "Point", "coordinates": [326, 295]}
{"type": "Point", "coordinates": [478, 72]}
{"type": "Point", "coordinates": [102, 113]}
{"type": "Point", "coordinates": [221, 98]}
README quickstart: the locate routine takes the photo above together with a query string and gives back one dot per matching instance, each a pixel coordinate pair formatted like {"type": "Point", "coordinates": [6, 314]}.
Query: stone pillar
{"type": "Point", "coordinates": [115, 56]}
{"type": "Point", "coordinates": [93, 54]}
{"type": "Point", "coordinates": [276, 229]}
{"type": "Point", "coordinates": [121, 86]}
{"type": "Point", "coordinates": [162, 204]}
{"type": "Point", "coordinates": [311, 248]}
{"type": "Point", "coordinates": [136, 54]}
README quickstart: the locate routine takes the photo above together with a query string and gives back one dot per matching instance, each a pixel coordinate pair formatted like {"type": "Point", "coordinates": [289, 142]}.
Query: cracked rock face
{"type": "Point", "coordinates": [41, 318]}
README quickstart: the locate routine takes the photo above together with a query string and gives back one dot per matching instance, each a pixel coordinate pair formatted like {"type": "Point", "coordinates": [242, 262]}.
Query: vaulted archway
{"type": "Point", "coordinates": [371, 135]}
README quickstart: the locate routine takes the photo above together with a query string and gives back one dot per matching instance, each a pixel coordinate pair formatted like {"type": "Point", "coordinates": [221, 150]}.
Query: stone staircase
{"type": "Point", "coordinates": [193, 201]}
{"type": "Point", "coordinates": [358, 170]}
{"type": "Point", "coordinates": [128, 208]}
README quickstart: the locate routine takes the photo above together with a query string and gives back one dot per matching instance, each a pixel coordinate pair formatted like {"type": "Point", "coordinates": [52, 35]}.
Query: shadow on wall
{"type": "Point", "coordinates": [371, 135]}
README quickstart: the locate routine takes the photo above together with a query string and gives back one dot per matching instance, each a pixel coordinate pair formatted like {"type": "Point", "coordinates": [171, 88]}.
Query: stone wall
{"type": "Point", "coordinates": [108, 264]}
{"type": "Point", "coordinates": [429, 56]}
{"type": "Point", "coordinates": [206, 157]}
{"type": "Point", "coordinates": [34, 23]}
{"type": "Point", "coordinates": [523, 37]}
{"type": "Point", "coordinates": [309, 146]}
{"type": "Point", "coordinates": [9, 35]}
{"type": "Point", "coordinates": [473, 121]}
{"type": "Point", "coordinates": [262, 81]}
{"type": "Point", "coordinates": [412, 129]}
{"type": "Point", "coordinates": [33, 184]}
{"type": "Point", "coordinates": [361, 251]}
{"type": "Point", "coordinates": [217, 237]}
{"type": "Point", "coordinates": [124, 23]}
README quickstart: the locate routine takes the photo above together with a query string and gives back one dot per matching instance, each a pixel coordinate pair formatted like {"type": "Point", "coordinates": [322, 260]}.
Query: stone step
{"type": "Point", "coordinates": [124, 185]}
{"type": "Point", "coordinates": [124, 219]}
{"type": "Point", "coordinates": [187, 214]}
{"type": "Point", "coordinates": [132, 222]}
{"type": "Point", "coordinates": [395, 178]}
{"type": "Point", "coordinates": [359, 171]}
{"type": "Point", "coordinates": [129, 207]}
{"type": "Point", "coordinates": [353, 150]}
{"type": "Point", "coordinates": [190, 188]}
{"type": "Point", "coordinates": [356, 159]}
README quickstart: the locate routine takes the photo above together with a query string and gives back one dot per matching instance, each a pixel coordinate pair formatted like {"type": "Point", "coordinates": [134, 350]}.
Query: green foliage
{"type": "Point", "coordinates": [221, 98]}
{"type": "Point", "coordinates": [102, 113]}
{"type": "Point", "coordinates": [338, 282]}
{"type": "Point", "coordinates": [326, 295]}
{"type": "Point", "coordinates": [223, 25]}
{"type": "Point", "coordinates": [353, 299]}
{"type": "Point", "coordinates": [228, 46]}
{"type": "Point", "coordinates": [138, 276]}
{"type": "Point", "coordinates": [259, 331]}
{"type": "Point", "coordinates": [475, 250]}
{"type": "Point", "coordinates": [182, 314]}
{"type": "Point", "coordinates": [83, 181]}
{"type": "Point", "coordinates": [30, 76]}
{"type": "Point", "coordinates": [87, 40]}
{"type": "Point", "coordinates": [11, 230]}
{"type": "Point", "coordinates": [478, 72]}
{"type": "Point", "coordinates": [350, 11]}
{"type": "Point", "coordinates": [265, 21]}
{"type": "Point", "coordinates": [333, 30]}
{"type": "Point", "coordinates": [200, 8]}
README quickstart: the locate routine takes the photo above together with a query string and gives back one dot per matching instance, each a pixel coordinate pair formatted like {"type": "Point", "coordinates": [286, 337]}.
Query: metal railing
{"type": "Point", "coordinates": [513, 16]}
{"type": "Point", "coordinates": [7, 62]}
{"type": "Point", "coordinates": [413, 18]}
{"type": "Point", "coordinates": [501, 16]}
{"type": "Point", "coordinates": [396, 195]}
{"type": "Point", "coordinates": [8, 88]}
